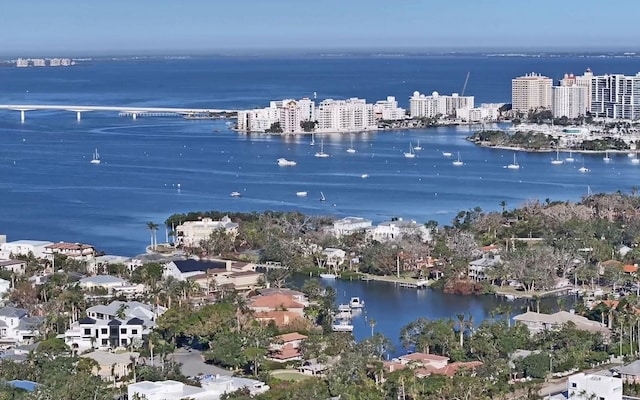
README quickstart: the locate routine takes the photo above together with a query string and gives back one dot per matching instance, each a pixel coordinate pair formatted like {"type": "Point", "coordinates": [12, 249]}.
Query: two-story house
{"type": "Point", "coordinates": [16, 327]}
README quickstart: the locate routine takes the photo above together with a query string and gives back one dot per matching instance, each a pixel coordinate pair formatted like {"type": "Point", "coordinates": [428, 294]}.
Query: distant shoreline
{"type": "Point", "coordinates": [550, 150]}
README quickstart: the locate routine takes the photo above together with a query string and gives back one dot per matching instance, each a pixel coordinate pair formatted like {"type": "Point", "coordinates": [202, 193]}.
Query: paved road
{"type": "Point", "coordinates": [193, 363]}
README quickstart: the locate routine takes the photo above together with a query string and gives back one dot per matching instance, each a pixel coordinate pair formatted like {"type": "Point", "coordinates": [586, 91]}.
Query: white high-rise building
{"type": "Point", "coordinates": [486, 112]}
{"type": "Point", "coordinates": [258, 120]}
{"type": "Point", "coordinates": [289, 113]}
{"type": "Point", "coordinates": [345, 115]}
{"type": "Point", "coordinates": [583, 80]}
{"type": "Point", "coordinates": [616, 96]}
{"type": "Point", "coordinates": [290, 117]}
{"type": "Point", "coordinates": [388, 109]}
{"type": "Point", "coordinates": [531, 91]}
{"type": "Point", "coordinates": [421, 105]}
{"type": "Point", "coordinates": [569, 101]}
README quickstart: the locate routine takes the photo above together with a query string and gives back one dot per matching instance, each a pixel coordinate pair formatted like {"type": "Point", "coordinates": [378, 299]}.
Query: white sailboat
{"type": "Point", "coordinates": [570, 158]}
{"type": "Point", "coordinates": [322, 198]}
{"type": "Point", "coordinates": [606, 157]}
{"type": "Point", "coordinates": [321, 153]}
{"type": "Point", "coordinates": [557, 161]}
{"type": "Point", "coordinates": [418, 147]}
{"type": "Point", "coordinates": [95, 158]}
{"type": "Point", "coordinates": [410, 154]}
{"type": "Point", "coordinates": [351, 149]}
{"type": "Point", "coordinates": [458, 162]}
{"type": "Point", "coordinates": [313, 142]}
{"type": "Point", "coordinates": [635, 159]}
{"type": "Point", "coordinates": [515, 164]}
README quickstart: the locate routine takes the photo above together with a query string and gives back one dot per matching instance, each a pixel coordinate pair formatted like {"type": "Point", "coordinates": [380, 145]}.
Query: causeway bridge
{"type": "Point", "coordinates": [134, 112]}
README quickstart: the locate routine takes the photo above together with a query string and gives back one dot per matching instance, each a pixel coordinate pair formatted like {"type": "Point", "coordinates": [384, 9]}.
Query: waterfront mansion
{"type": "Point", "coordinates": [191, 233]}
{"type": "Point", "coordinates": [386, 231]}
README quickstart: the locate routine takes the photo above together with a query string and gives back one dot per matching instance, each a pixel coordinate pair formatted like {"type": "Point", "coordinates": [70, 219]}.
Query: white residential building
{"type": "Point", "coordinates": [616, 96]}
{"type": "Point", "coordinates": [569, 101]}
{"type": "Point", "coordinates": [212, 388]}
{"type": "Point", "coordinates": [398, 228]}
{"type": "Point", "coordinates": [22, 62]}
{"type": "Point", "coordinates": [333, 258]}
{"type": "Point", "coordinates": [388, 109]}
{"type": "Point", "coordinates": [290, 117]}
{"type": "Point", "coordinates": [351, 115]}
{"type": "Point", "coordinates": [23, 248]}
{"type": "Point", "coordinates": [538, 322]}
{"type": "Point", "coordinates": [118, 324]}
{"type": "Point", "coordinates": [486, 112]}
{"type": "Point", "coordinates": [191, 233]}
{"type": "Point", "coordinates": [421, 105]}
{"type": "Point", "coordinates": [16, 327]}
{"type": "Point", "coordinates": [77, 251]}
{"type": "Point", "coordinates": [587, 386]}
{"type": "Point", "coordinates": [288, 112]}
{"type": "Point", "coordinates": [350, 225]}
{"type": "Point", "coordinates": [18, 267]}
{"type": "Point", "coordinates": [258, 120]}
{"type": "Point", "coordinates": [584, 81]}
{"type": "Point", "coordinates": [112, 284]}
{"type": "Point", "coordinates": [530, 92]}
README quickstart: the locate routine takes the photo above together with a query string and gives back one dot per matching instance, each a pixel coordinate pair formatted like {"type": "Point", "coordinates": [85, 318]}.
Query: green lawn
{"type": "Point", "coordinates": [288, 375]}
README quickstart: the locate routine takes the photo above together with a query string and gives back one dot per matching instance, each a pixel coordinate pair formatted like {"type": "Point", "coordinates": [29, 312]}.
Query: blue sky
{"type": "Point", "coordinates": [46, 27]}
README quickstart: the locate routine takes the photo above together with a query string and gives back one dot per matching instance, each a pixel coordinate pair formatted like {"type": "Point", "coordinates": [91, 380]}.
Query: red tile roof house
{"type": "Point", "coordinates": [286, 347]}
{"type": "Point", "coordinates": [275, 302]}
{"type": "Point", "coordinates": [426, 364]}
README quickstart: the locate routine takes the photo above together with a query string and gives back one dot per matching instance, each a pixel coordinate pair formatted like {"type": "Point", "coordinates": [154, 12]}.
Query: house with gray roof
{"type": "Point", "coordinates": [16, 327]}
{"type": "Point", "coordinates": [537, 322]}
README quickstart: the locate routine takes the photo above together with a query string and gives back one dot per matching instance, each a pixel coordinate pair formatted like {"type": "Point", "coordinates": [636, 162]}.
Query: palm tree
{"type": "Point", "coordinates": [153, 228]}
{"type": "Point", "coordinates": [372, 324]}
{"type": "Point", "coordinates": [503, 204]}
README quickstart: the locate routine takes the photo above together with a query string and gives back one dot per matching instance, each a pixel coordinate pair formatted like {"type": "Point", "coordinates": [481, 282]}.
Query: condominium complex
{"type": "Point", "coordinates": [486, 112]}
{"type": "Point", "coordinates": [345, 116]}
{"type": "Point", "coordinates": [351, 115]}
{"type": "Point", "coordinates": [569, 101]}
{"type": "Point", "coordinates": [583, 81]}
{"type": "Point", "coordinates": [616, 96]}
{"type": "Point", "coordinates": [41, 62]}
{"type": "Point", "coordinates": [531, 92]}
{"type": "Point", "coordinates": [421, 105]}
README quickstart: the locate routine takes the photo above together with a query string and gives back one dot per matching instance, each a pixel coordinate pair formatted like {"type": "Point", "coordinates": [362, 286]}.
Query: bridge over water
{"type": "Point", "coordinates": [124, 110]}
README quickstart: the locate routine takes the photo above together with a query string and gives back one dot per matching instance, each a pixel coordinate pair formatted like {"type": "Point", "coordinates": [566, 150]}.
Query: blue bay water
{"type": "Point", "coordinates": [50, 191]}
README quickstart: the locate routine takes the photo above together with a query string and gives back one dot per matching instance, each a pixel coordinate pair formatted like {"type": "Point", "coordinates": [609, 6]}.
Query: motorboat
{"type": "Point", "coordinates": [515, 164]}
{"type": "Point", "coordinates": [283, 162]}
{"type": "Point", "coordinates": [364, 176]}
{"type": "Point", "coordinates": [95, 158]}
{"type": "Point", "coordinates": [301, 194]}
{"type": "Point", "coordinates": [328, 276]}
{"type": "Point", "coordinates": [236, 194]}
{"type": "Point", "coordinates": [342, 325]}
{"type": "Point", "coordinates": [355, 302]}
{"type": "Point", "coordinates": [410, 154]}
{"type": "Point", "coordinates": [583, 169]}
{"type": "Point", "coordinates": [344, 308]}
{"type": "Point", "coordinates": [458, 162]}
{"type": "Point", "coordinates": [447, 154]}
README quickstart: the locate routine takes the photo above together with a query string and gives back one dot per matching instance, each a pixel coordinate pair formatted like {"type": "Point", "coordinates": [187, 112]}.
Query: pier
{"type": "Point", "coordinates": [134, 112]}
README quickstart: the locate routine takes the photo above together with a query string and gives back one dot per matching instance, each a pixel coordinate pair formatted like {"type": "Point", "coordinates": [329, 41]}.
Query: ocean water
{"type": "Point", "coordinates": [153, 167]}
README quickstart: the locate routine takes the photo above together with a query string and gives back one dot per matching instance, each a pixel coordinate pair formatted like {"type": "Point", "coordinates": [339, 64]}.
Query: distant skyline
{"type": "Point", "coordinates": [73, 27]}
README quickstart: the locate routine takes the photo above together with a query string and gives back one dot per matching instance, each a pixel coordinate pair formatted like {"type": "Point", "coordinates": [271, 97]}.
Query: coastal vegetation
{"type": "Point", "coordinates": [532, 140]}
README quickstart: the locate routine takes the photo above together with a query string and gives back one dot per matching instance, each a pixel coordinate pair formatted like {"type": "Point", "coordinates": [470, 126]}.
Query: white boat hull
{"type": "Point", "coordinates": [328, 276]}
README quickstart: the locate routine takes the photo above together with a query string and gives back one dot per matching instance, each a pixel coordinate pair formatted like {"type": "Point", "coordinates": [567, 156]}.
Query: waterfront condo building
{"type": "Point", "coordinates": [531, 92]}
{"type": "Point", "coordinates": [351, 115]}
{"type": "Point", "coordinates": [569, 101]}
{"type": "Point", "coordinates": [584, 81]}
{"type": "Point", "coordinates": [486, 112]}
{"type": "Point", "coordinates": [421, 105]}
{"type": "Point", "coordinates": [388, 110]}
{"type": "Point", "coordinates": [616, 96]}
{"type": "Point", "coordinates": [288, 112]}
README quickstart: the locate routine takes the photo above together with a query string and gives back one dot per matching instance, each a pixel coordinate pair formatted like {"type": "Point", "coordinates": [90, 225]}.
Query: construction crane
{"type": "Point", "coordinates": [465, 84]}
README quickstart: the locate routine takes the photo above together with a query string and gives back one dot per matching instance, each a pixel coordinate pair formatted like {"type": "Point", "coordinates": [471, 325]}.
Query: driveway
{"type": "Point", "coordinates": [193, 363]}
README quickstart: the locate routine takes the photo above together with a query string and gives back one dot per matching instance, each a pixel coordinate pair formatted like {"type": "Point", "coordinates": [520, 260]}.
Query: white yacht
{"type": "Point", "coordinates": [95, 158]}
{"type": "Point", "coordinates": [328, 276]}
{"type": "Point", "coordinates": [351, 149]}
{"type": "Point", "coordinates": [447, 154]}
{"type": "Point", "coordinates": [583, 168]}
{"type": "Point", "coordinates": [418, 147]}
{"type": "Point", "coordinates": [283, 162]}
{"type": "Point", "coordinates": [236, 194]}
{"type": "Point", "coordinates": [301, 194]}
{"type": "Point", "coordinates": [364, 176]}
{"type": "Point", "coordinates": [321, 153]}
{"type": "Point", "coordinates": [606, 157]}
{"type": "Point", "coordinates": [355, 302]}
{"type": "Point", "coordinates": [342, 325]}
{"type": "Point", "coordinates": [515, 164]}
{"type": "Point", "coordinates": [458, 162]}
{"type": "Point", "coordinates": [410, 154]}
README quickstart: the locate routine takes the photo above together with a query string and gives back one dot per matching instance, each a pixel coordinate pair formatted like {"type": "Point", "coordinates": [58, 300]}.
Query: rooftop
{"type": "Point", "coordinates": [290, 337]}
{"type": "Point", "coordinates": [102, 280]}
{"type": "Point", "coordinates": [276, 300]}
{"type": "Point", "coordinates": [191, 265]}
